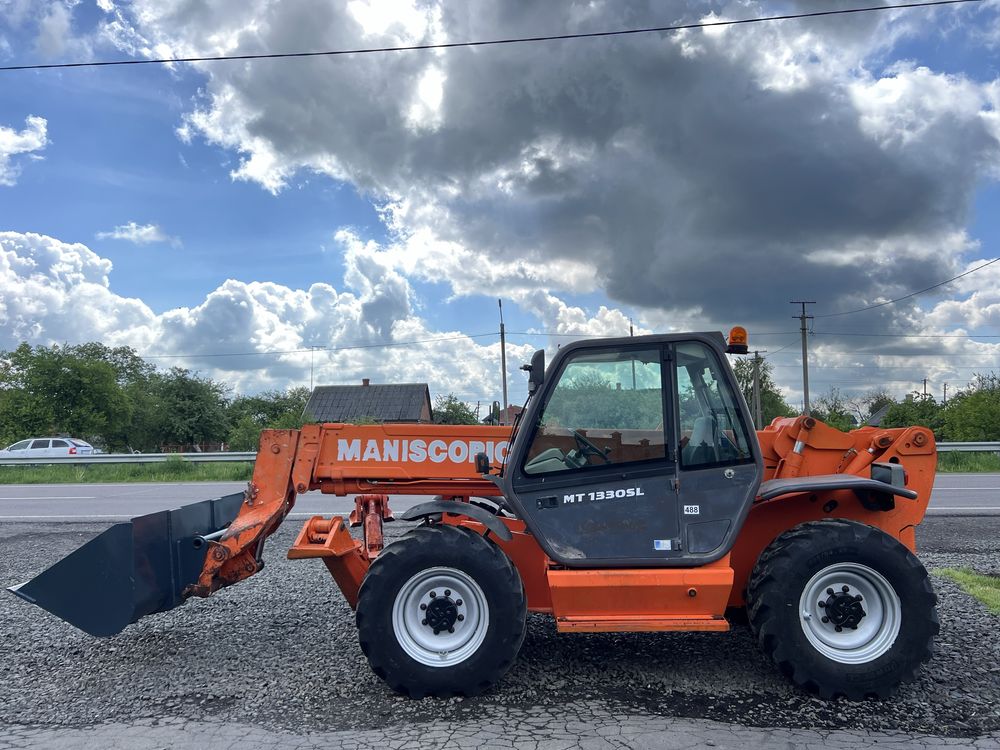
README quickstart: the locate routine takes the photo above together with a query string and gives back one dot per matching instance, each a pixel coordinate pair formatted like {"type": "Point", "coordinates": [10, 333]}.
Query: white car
{"type": "Point", "coordinates": [48, 448]}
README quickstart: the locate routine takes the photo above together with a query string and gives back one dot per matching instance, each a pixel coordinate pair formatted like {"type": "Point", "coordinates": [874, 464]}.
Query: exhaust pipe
{"type": "Point", "coordinates": [133, 569]}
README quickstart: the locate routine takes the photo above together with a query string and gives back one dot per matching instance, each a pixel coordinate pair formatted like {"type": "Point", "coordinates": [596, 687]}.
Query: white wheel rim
{"type": "Point", "coordinates": [858, 641]}
{"type": "Point", "coordinates": [458, 602]}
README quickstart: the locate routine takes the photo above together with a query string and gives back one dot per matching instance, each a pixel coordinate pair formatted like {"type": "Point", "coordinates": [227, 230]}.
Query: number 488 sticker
{"type": "Point", "coordinates": [692, 510]}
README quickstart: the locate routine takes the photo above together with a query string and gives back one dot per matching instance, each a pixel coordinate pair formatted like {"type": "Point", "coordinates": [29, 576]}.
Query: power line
{"type": "Point", "coordinates": [490, 42]}
{"type": "Point", "coordinates": [872, 367]}
{"type": "Point", "coordinates": [599, 336]}
{"type": "Point", "coordinates": [321, 348]}
{"type": "Point", "coordinates": [911, 294]}
{"type": "Point", "coordinates": [911, 335]}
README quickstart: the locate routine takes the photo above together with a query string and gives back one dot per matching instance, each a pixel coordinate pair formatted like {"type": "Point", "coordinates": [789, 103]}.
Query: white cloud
{"type": "Point", "coordinates": [13, 142]}
{"type": "Point", "coordinates": [55, 292]}
{"type": "Point", "coordinates": [53, 31]}
{"type": "Point", "coordinates": [674, 173]}
{"type": "Point", "coordinates": [139, 234]}
{"type": "Point", "coordinates": [692, 177]}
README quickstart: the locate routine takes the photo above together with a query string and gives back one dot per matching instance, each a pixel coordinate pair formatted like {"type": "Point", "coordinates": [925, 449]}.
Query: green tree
{"type": "Point", "coordinates": [192, 408]}
{"type": "Point", "coordinates": [59, 389]}
{"type": "Point", "coordinates": [973, 415]}
{"type": "Point", "coordinates": [916, 409]}
{"type": "Point", "coordinates": [450, 410]}
{"type": "Point", "coordinates": [248, 415]}
{"type": "Point", "coordinates": [772, 402]}
{"type": "Point", "coordinates": [834, 409]}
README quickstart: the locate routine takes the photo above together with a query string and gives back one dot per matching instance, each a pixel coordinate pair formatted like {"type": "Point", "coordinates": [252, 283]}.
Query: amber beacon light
{"type": "Point", "coordinates": [737, 340]}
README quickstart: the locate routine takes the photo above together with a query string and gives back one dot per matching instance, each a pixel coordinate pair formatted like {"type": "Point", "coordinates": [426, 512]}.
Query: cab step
{"type": "Point", "coordinates": [641, 624]}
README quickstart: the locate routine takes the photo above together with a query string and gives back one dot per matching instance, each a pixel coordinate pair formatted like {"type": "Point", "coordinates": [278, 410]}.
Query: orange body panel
{"type": "Point", "coordinates": [529, 559]}
{"type": "Point", "coordinates": [412, 459]}
{"type": "Point", "coordinates": [439, 459]}
{"type": "Point", "coordinates": [642, 599]}
{"type": "Point", "coordinates": [345, 557]}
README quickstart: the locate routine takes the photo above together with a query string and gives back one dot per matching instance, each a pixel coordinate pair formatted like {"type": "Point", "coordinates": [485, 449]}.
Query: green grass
{"type": "Point", "coordinates": [956, 461]}
{"type": "Point", "coordinates": [985, 588]}
{"type": "Point", "coordinates": [180, 470]}
{"type": "Point", "coordinates": [172, 470]}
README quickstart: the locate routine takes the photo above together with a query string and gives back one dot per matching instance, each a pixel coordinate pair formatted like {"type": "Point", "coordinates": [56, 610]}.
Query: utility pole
{"type": "Point", "coordinates": [805, 351]}
{"type": "Point", "coordinates": [758, 414]}
{"type": "Point", "coordinates": [503, 364]}
{"type": "Point", "coordinates": [925, 389]}
{"type": "Point", "coordinates": [631, 332]}
{"type": "Point", "coordinates": [312, 363]}
{"type": "Point", "coordinates": [945, 402]}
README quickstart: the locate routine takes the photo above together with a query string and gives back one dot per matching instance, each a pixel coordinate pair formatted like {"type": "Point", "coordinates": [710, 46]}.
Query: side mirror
{"type": "Point", "coordinates": [536, 370]}
{"type": "Point", "coordinates": [482, 463]}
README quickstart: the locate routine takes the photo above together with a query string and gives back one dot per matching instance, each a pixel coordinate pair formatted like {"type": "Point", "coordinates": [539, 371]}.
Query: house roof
{"type": "Point", "coordinates": [875, 420]}
{"type": "Point", "coordinates": [403, 402]}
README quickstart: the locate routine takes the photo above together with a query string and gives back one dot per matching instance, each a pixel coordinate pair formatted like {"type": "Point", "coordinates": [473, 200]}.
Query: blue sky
{"type": "Point", "coordinates": [612, 221]}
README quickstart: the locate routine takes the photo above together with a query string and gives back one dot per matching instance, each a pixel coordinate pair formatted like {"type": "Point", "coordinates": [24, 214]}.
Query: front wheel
{"type": "Point", "coordinates": [441, 612]}
{"type": "Point", "coordinates": [843, 609]}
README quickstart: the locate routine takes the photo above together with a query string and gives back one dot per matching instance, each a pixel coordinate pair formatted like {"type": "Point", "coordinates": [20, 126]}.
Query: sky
{"type": "Point", "coordinates": [273, 223]}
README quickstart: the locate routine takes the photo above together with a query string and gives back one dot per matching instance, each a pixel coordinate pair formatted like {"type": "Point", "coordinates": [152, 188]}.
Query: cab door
{"type": "Point", "coordinates": [596, 482]}
{"type": "Point", "coordinates": [719, 464]}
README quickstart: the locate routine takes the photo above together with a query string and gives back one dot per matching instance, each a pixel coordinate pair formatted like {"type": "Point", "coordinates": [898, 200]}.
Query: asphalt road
{"type": "Point", "coordinates": [954, 495]}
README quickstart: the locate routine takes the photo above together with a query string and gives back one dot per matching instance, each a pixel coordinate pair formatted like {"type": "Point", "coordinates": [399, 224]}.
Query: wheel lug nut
{"type": "Point", "coordinates": [830, 592]}
{"type": "Point", "coordinates": [447, 592]}
{"type": "Point", "coordinates": [825, 619]}
{"type": "Point", "coordinates": [857, 598]}
{"type": "Point", "coordinates": [821, 604]}
{"type": "Point", "coordinates": [423, 606]}
{"type": "Point", "coordinates": [839, 629]}
{"type": "Point", "coordinates": [423, 622]}
{"type": "Point", "coordinates": [845, 589]}
{"type": "Point", "coordinates": [433, 594]}
{"type": "Point", "coordinates": [459, 603]}
{"type": "Point", "coordinates": [451, 630]}
{"type": "Point", "coordinates": [461, 617]}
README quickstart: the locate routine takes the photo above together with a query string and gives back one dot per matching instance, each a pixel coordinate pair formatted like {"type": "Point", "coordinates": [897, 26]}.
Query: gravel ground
{"type": "Point", "coordinates": [280, 650]}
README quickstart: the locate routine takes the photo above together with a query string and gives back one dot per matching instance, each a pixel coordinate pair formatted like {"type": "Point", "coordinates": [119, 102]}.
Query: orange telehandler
{"type": "Point", "coordinates": [632, 495]}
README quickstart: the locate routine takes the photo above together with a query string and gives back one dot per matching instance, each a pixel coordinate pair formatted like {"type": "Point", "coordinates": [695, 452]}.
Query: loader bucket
{"type": "Point", "coordinates": [131, 570]}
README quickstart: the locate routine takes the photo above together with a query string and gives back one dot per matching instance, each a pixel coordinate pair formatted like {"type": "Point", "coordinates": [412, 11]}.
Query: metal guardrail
{"type": "Point", "coordinates": [131, 458]}
{"type": "Point", "coordinates": [968, 447]}
{"type": "Point", "coordinates": [152, 458]}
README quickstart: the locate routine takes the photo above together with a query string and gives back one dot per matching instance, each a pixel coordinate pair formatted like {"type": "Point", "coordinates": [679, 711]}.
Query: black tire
{"type": "Point", "coordinates": [805, 556]}
{"type": "Point", "coordinates": [417, 554]}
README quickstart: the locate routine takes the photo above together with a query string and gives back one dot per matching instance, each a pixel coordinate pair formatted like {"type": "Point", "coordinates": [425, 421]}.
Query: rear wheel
{"type": "Point", "coordinates": [843, 609]}
{"type": "Point", "coordinates": [441, 612]}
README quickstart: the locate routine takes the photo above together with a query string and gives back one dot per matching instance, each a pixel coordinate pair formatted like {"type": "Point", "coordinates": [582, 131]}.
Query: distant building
{"type": "Point", "coordinates": [405, 402]}
{"type": "Point", "coordinates": [508, 417]}
{"type": "Point", "coordinates": [875, 420]}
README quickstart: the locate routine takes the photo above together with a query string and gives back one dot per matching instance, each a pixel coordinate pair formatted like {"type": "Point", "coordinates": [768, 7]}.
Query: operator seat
{"type": "Point", "coordinates": [703, 447]}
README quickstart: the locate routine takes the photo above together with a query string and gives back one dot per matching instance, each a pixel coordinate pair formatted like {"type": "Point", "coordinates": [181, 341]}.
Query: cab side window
{"type": "Point", "coordinates": [606, 408]}
{"type": "Point", "coordinates": [712, 431]}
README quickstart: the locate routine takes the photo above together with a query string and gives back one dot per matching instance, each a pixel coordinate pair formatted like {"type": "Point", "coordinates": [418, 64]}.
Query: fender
{"type": "Point", "coordinates": [773, 488]}
{"type": "Point", "coordinates": [456, 508]}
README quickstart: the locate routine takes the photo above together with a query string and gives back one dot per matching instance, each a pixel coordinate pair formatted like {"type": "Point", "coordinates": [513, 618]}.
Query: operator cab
{"type": "Point", "coordinates": [634, 452]}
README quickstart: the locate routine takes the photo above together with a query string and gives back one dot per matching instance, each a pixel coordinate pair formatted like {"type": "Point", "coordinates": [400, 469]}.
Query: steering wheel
{"type": "Point", "coordinates": [587, 448]}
